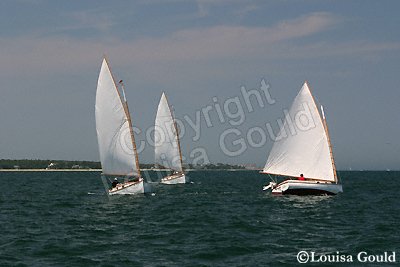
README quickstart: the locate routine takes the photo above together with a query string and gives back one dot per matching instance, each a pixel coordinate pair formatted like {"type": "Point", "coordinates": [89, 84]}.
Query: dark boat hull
{"type": "Point", "coordinates": [303, 188]}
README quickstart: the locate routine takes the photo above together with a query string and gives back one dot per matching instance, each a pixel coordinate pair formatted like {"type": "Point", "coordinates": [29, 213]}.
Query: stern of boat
{"type": "Point", "coordinates": [179, 178]}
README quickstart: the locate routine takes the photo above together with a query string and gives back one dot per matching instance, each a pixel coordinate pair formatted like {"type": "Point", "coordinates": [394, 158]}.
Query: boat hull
{"type": "Point", "coordinates": [131, 188]}
{"type": "Point", "coordinates": [297, 187]}
{"type": "Point", "coordinates": [175, 179]}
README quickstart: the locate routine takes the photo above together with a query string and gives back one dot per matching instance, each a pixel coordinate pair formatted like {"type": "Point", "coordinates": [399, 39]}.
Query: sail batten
{"type": "Point", "coordinates": [306, 151]}
{"type": "Point", "coordinates": [114, 129]}
{"type": "Point", "coordinates": [166, 139]}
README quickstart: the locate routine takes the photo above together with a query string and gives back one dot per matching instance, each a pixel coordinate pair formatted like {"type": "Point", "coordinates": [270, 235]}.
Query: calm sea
{"type": "Point", "coordinates": [222, 219]}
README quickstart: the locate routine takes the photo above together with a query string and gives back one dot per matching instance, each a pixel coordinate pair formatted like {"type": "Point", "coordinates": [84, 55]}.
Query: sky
{"type": "Point", "coordinates": [204, 54]}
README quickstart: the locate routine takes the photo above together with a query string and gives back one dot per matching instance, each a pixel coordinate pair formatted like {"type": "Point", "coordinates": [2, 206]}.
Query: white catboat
{"type": "Point", "coordinates": [167, 147]}
{"type": "Point", "coordinates": [115, 136]}
{"type": "Point", "coordinates": [303, 147]}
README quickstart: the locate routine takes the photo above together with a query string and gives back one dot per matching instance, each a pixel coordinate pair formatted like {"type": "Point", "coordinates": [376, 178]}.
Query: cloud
{"type": "Point", "coordinates": [244, 11]}
{"type": "Point", "coordinates": [95, 19]}
{"type": "Point", "coordinates": [352, 48]}
{"type": "Point", "coordinates": [189, 46]}
{"type": "Point", "coordinates": [202, 10]}
{"type": "Point", "coordinates": [227, 41]}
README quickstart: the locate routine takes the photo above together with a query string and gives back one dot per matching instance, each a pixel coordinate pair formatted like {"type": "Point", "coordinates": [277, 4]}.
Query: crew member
{"type": "Point", "coordinates": [115, 182]}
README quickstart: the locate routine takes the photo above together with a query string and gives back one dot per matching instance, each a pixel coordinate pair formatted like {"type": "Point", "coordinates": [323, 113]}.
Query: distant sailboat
{"type": "Point", "coordinates": [167, 146]}
{"type": "Point", "coordinates": [115, 136]}
{"type": "Point", "coordinates": [306, 152]}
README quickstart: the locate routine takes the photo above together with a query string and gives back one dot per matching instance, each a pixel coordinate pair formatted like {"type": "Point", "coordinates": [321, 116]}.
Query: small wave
{"type": "Point", "coordinates": [7, 244]}
{"type": "Point", "coordinates": [230, 192]}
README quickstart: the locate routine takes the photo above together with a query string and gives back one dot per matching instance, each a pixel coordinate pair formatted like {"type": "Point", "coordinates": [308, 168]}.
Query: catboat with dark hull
{"type": "Point", "coordinates": [303, 188]}
{"type": "Point", "coordinates": [303, 147]}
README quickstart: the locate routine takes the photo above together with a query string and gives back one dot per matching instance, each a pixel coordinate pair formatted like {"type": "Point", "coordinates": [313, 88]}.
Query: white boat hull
{"type": "Point", "coordinates": [131, 188]}
{"type": "Point", "coordinates": [175, 179]}
{"type": "Point", "coordinates": [298, 187]}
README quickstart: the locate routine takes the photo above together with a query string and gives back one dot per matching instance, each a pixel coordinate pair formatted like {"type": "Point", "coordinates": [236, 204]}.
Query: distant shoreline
{"type": "Point", "coordinates": [68, 165]}
{"type": "Point", "coordinates": [50, 170]}
{"type": "Point", "coordinates": [99, 170]}
{"type": "Point", "coordinates": [187, 170]}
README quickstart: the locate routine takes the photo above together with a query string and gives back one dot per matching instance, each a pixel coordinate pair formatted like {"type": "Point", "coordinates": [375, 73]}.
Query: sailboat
{"type": "Point", "coordinates": [305, 150]}
{"type": "Point", "coordinates": [118, 155]}
{"type": "Point", "coordinates": [167, 146]}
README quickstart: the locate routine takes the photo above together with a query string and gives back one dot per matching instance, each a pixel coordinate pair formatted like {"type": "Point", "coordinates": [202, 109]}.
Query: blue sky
{"type": "Point", "coordinates": [51, 53]}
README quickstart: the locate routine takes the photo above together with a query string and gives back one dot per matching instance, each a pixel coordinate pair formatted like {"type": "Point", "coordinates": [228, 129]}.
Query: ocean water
{"type": "Point", "coordinates": [222, 219]}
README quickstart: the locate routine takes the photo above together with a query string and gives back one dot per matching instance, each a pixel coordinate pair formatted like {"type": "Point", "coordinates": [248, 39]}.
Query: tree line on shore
{"type": "Point", "coordinates": [67, 164]}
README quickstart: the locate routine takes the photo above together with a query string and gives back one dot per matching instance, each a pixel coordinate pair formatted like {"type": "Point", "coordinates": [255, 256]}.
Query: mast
{"type": "Point", "coordinates": [326, 132]}
{"type": "Point", "coordinates": [329, 143]}
{"type": "Point", "coordinates": [176, 133]}
{"type": "Point", "coordinates": [179, 144]}
{"type": "Point", "coordinates": [126, 108]}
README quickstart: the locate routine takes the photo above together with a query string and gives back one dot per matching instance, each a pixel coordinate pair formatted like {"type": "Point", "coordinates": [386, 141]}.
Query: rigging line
{"type": "Point", "coordinates": [272, 178]}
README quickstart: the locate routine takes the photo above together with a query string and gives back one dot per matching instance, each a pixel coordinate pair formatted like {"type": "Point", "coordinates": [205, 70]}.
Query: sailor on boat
{"type": "Point", "coordinates": [309, 150]}
{"type": "Point", "coordinates": [115, 182]}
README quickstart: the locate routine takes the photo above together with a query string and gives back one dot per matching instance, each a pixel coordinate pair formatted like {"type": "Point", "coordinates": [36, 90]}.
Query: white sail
{"type": "Point", "coordinates": [304, 147]}
{"type": "Point", "coordinates": [167, 148]}
{"type": "Point", "coordinates": [116, 147]}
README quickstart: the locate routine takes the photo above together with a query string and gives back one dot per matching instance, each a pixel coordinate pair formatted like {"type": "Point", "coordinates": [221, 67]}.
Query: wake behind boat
{"type": "Point", "coordinates": [117, 147]}
{"type": "Point", "coordinates": [303, 153]}
{"type": "Point", "coordinates": [167, 146]}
